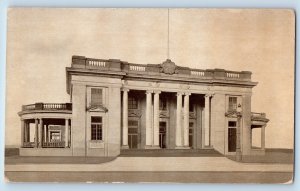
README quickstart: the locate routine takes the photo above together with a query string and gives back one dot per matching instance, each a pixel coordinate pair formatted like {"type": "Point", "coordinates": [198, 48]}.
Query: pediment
{"type": "Point", "coordinates": [134, 113]}
{"type": "Point", "coordinates": [98, 108]}
{"type": "Point", "coordinates": [233, 114]}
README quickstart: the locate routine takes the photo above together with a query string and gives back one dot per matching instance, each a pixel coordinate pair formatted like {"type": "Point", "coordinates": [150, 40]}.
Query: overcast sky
{"type": "Point", "coordinates": [41, 43]}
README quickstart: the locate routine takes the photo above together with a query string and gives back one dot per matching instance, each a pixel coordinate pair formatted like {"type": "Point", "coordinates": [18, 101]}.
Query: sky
{"type": "Point", "coordinates": [41, 42]}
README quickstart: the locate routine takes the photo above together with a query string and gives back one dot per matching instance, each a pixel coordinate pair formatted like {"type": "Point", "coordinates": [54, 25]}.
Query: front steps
{"type": "Point", "coordinates": [169, 153]}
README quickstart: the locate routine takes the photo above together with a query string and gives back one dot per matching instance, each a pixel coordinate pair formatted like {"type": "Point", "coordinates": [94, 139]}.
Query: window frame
{"type": "Point", "coordinates": [132, 99]}
{"type": "Point", "coordinates": [94, 102]}
{"type": "Point", "coordinates": [97, 125]}
{"type": "Point", "coordinates": [231, 106]}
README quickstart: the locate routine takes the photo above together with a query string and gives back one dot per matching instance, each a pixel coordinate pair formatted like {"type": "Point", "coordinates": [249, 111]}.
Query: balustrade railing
{"type": "Point", "coordinates": [118, 65]}
{"type": "Point", "coordinates": [56, 144]}
{"type": "Point", "coordinates": [232, 75]}
{"type": "Point", "coordinates": [137, 68]}
{"type": "Point", "coordinates": [47, 106]}
{"type": "Point", "coordinates": [96, 63]}
{"type": "Point", "coordinates": [197, 73]}
{"type": "Point", "coordinates": [28, 144]}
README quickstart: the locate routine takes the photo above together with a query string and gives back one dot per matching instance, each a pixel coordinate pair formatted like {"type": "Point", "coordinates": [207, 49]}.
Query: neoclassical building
{"type": "Point", "coordinates": [118, 105]}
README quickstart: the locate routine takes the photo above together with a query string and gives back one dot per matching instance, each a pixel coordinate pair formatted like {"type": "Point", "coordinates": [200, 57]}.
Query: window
{"type": "Point", "coordinates": [96, 128]}
{"type": "Point", "coordinates": [132, 103]}
{"type": "Point", "coordinates": [231, 123]}
{"type": "Point", "coordinates": [163, 104]}
{"type": "Point", "coordinates": [232, 103]}
{"type": "Point", "coordinates": [54, 136]}
{"type": "Point", "coordinates": [96, 96]}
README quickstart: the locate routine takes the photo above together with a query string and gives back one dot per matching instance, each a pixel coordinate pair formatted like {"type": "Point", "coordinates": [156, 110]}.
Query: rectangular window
{"type": "Point", "coordinates": [132, 103]}
{"type": "Point", "coordinates": [96, 97]}
{"type": "Point", "coordinates": [231, 123]}
{"type": "Point", "coordinates": [96, 128]}
{"type": "Point", "coordinates": [54, 136]}
{"type": "Point", "coordinates": [232, 104]}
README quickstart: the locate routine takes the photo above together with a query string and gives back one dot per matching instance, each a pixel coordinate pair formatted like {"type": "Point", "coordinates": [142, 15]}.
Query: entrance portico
{"type": "Point", "coordinates": [169, 118]}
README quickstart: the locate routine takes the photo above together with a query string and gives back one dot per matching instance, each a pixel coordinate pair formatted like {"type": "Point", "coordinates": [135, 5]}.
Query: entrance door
{"type": "Point", "coordinates": [162, 134]}
{"type": "Point", "coordinates": [191, 132]}
{"type": "Point", "coordinates": [231, 139]}
{"type": "Point", "coordinates": [133, 134]}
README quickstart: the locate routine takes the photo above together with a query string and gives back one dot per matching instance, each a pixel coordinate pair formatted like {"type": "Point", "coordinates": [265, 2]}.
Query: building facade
{"type": "Point", "coordinates": [118, 105]}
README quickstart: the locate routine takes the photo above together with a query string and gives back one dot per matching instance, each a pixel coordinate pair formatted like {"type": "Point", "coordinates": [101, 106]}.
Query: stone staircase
{"type": "Point", "coordinates": [169, 153]}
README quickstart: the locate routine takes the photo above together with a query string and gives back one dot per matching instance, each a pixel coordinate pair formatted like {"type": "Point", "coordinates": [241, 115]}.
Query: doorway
{"type": "Point", "coordinates": [191, 134]}
{"type": "Point", "coordinates": [231, 136]}
{"type": "Point", "coordinates": [162, 134]}
{"type": "Point", "coordinates": [133, 134]}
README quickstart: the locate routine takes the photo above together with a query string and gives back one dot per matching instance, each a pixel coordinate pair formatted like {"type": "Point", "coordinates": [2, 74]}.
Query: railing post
{"type": "Point", "coordinates": [22, 132]}
{"type": "Point", "coordinates": [69, 106]}
{"type": "Point", "coordinates": [39, 106]}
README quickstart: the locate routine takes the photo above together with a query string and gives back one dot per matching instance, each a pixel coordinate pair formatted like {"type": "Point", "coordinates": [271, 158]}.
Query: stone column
{"type": "Point", "coordinates": [238, 137]}
{"type": "Point", "coordinates": [186, 116]}
{"type": "Point", "coordinates": [148, 119]}
{"type": "Point", "coordinates": [66, 133]}
{"type": "Point", "coordinates": [263, 134]}
{"type": "Point", "coordinates": [22, 131]}
{"type": "Point", "coordinates": [178, 121]}
{"type": "Point", "coordinates": [70, 134]}
{"type": "Point", "coordinates": [156, 119]}
{"type": "Point", "coordinates": [47, 133]}
{"type": "Point", "coordinates": [36, 133]}
{"type": "Point", "coordinates": [40, 137]}
{"type": "Point", "coordinates": [25, 132]}
{"type": "Point", "coordinates": [207, 120]}
{"type": "Point", "coordinates": [27, 125]}
{"type": "Point", "coordinates": [125, 119]}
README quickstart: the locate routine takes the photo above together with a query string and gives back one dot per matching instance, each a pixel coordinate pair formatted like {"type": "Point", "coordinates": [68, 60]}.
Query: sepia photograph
{"type": "Point", "coordinates": [150, 95]}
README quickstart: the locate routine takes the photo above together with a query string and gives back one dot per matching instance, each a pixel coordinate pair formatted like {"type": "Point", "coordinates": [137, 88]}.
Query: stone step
{"type": "Point", "coordinates": [169, 152]}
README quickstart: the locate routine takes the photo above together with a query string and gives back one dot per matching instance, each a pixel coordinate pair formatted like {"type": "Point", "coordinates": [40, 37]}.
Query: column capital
{"type": "Point", "coordinates": [149, 91]}
{"type": "Point", "coordinates": [187, 93]}
{"type": "Point", "coordinates": [157, 91]}
{"type": "Point", "coordinates": [125, 89]}
{"type": "Point", "coordinates": [209, 95]}
{"type": "Point", "coordinates": [179, 93]}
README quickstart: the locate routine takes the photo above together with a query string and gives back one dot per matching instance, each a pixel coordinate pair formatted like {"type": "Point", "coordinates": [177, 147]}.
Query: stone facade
{"type": "Point", "coordinates": [119, 105]}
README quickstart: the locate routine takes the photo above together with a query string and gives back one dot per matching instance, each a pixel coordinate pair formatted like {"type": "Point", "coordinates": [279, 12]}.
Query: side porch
{"type": "Point", "coordinates": [46, 129]}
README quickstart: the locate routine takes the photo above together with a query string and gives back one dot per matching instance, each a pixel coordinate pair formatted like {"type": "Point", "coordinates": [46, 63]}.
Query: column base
{"type": "Point", "coordinates": [182, 147]}
{"type": "Point", "coordinates": [124, 147]}
{"type": "Point", "coordinates": [152, 147]}
{"type": "Point", "coordinates": [207, 147]}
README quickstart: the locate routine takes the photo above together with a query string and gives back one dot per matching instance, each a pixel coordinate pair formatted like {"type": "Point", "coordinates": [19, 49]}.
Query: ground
{"type": "Point", "coordinates": [197, 166]}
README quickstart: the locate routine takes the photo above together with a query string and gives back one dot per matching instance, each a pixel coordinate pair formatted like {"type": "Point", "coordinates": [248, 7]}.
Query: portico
{"type": "Point", "coordinates": [155, 109]}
